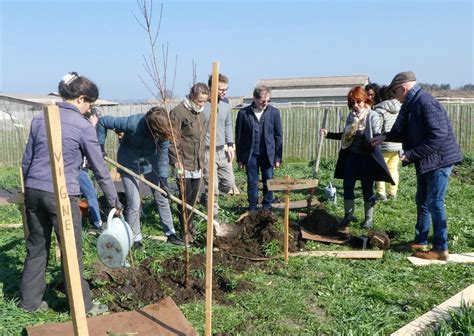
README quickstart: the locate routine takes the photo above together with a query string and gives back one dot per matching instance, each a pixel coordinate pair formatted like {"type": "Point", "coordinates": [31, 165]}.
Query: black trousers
{"type": "Point", "coordinates": [191, 192]}
{"type": "Point", "coordinates": [41, 217]}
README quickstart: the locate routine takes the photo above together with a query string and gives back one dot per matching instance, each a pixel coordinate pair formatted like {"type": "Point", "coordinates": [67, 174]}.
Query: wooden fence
{"type": "Point", "coordinates": [300, 130]}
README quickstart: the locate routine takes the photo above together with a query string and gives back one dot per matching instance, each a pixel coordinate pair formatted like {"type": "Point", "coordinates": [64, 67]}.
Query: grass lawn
{"type": "Point", "coordinates": [306, 296]}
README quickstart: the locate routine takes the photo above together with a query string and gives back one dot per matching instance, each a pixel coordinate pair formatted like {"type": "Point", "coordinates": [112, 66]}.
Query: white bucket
{"type": "Point", "coordinates": [115, 242]}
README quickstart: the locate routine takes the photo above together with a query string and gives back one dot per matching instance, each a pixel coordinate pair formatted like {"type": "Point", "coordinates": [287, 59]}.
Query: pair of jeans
{"type": "Point", "coordinates": [254, 164]}
{"type": "Point", "coordinates": [430, 195]}
{"type": "Point", "coordinates": [133, 198]}
{"type": "Point", "coordinates": [88, 190]}
{"type": "Point", "coordinates": [42, 219]}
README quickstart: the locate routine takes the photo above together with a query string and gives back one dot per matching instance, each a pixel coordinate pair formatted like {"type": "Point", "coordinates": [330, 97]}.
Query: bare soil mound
{"type": "Point", "coordinates": [151, 281]}
{"type": "Point", "coordinates": [259, 230]}
{"type": "Point", "coordinates": [323, 223]}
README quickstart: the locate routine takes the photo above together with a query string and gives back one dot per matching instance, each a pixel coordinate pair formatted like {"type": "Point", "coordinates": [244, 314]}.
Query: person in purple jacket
{"type": "Point", "coordinates": [428, 141]}
{"type": "Point", "coordinates": [79, 140]}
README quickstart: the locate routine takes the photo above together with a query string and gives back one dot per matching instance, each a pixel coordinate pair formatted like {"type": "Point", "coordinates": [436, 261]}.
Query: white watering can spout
{"type": "Point", "coordinates": [115, 242]}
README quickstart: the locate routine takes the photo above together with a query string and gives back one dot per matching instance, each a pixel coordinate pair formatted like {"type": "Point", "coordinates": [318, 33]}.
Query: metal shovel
{"type": "Point", "coordinates": [318, 159]}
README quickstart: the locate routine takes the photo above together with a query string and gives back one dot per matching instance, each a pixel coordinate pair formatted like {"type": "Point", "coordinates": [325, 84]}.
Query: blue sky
{"type": "Point", "coordinates": [42, 40]}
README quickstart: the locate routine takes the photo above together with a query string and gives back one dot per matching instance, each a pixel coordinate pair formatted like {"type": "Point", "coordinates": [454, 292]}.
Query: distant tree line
{"type": "Point", "coordinates": [444, 87]}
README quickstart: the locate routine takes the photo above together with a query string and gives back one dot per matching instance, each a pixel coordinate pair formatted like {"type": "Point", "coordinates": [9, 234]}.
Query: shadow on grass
{"type": "Point", "coordinates": [11, 273]}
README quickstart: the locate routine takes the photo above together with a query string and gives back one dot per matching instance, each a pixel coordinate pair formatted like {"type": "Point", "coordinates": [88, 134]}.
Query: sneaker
{"type": "Point", "coordinates": [137, 245]}
{"type": "Point", "coordinates": [381, 197]}
{"type": "Point", "coordinates": [173, 239]}
{"type": "Point", "coordinates": [98, 309]}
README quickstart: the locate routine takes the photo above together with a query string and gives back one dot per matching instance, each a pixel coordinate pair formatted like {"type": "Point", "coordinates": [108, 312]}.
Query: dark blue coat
{"type": "Point", "coordinates": [426, 134]}
{"type": "Point", "coordinates": [272, 132]}
{"type": "Point", "coordinates": [137, 143]}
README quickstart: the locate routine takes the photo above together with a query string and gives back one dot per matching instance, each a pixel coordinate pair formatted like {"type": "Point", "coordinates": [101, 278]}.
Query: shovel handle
{"type": "Point", "coordinates": [320, 144]}
{"type": "Point", "coordinates": [154, 186]}
{"type": "Point", "coordinates": [318, 159]}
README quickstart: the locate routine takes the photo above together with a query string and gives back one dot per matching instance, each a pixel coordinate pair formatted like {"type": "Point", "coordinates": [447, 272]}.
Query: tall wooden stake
{"type": "Point", "coordinates": [26, 231]}
{"type": "Point", "coordinates": [66, 226]}
{"type": "Point", "coordinates": [210, 199]}
{"type": "Point", "coordinates": [287, 221]}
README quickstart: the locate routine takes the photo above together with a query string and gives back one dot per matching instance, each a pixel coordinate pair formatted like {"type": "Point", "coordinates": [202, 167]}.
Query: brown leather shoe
{"type": "Point", "coordinates": [432, 255]}
{"type": "Point", "coordinates": [412, 247]}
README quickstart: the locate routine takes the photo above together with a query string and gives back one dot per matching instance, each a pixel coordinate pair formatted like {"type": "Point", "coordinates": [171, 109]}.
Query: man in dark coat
{"type": "Point", "coordinates": [428, 141]}
{"type": "Point", "coordinates": [258, 135]}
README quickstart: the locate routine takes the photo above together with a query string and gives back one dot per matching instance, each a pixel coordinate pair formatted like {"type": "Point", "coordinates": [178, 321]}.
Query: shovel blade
{"type": "Point", "coordinates": [228, 230]}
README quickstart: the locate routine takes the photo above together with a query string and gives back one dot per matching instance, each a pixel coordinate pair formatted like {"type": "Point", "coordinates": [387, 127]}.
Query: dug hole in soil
{"type": "Point", "coordinates": [151, 281]}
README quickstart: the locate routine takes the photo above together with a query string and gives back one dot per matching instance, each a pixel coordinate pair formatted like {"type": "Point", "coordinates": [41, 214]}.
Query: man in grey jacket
{"type": "Point", "coordinates": [225, 153]}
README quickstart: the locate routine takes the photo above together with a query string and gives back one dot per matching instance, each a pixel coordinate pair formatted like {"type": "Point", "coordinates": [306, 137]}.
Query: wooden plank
{"type": "Point", "coordinates": [21, 205]}
{"type": "Point", "coordinates": [157, 238]}
{"type": "Point", "coordinates": [10, 226]}
{"type": "Point", "coordinates": [66, 226]}
{"type": "Point", "coordinates": [466, 297]}
{"type": "Point", "coordinates": [291, 184]}
{"type": "Point", "coordinates": [296, 204]}
{"type": "Point", "coordinates": [162, 318]}
{"type": "Point", "coordinates": [341, 254]}
{"type": "Point", "coordinates": [325, 239]}
{"type": "Point", "coordinates": [453, 258]}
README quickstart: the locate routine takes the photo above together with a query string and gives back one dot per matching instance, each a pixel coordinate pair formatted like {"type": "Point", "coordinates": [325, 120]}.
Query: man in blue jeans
{"type": "Point", "coordinates": [425, 132]}
{"type": "Point", "coordinates": [258, 135]}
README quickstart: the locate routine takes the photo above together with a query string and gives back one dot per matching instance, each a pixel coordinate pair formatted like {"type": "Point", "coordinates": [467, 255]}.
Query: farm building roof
{"type": "Point", "coordinates": [303, 82]}
{"type": "Point", "coordinates": [313, 89]}
{"type": "Point", "coordinates": [52, 98]}
{"type": "Point", "coordinates": [313, 92]}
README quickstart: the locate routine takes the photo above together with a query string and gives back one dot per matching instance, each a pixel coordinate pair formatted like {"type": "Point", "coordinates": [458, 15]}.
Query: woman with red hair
{"type": "Point", "coordinates": [357, 159]}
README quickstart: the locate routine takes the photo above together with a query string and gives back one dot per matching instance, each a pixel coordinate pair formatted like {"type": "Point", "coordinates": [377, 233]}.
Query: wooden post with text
{"type": "Point", "coordinates": [66, 226]}
{"type": "Point", "coordinates": [286, 184]}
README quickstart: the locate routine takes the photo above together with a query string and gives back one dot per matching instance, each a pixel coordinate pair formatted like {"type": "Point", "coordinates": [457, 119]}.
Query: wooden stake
{"type": "Point", "coordinates": [287, 220]}
{"type": "Point", "coordinates": [21, 205]}
{"type": "Point", "coordinates": [210, 198]}
{"type": "Point", "coordinates": [66, 226]}
{"type": "Point", "coordinates": [288, 184]}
